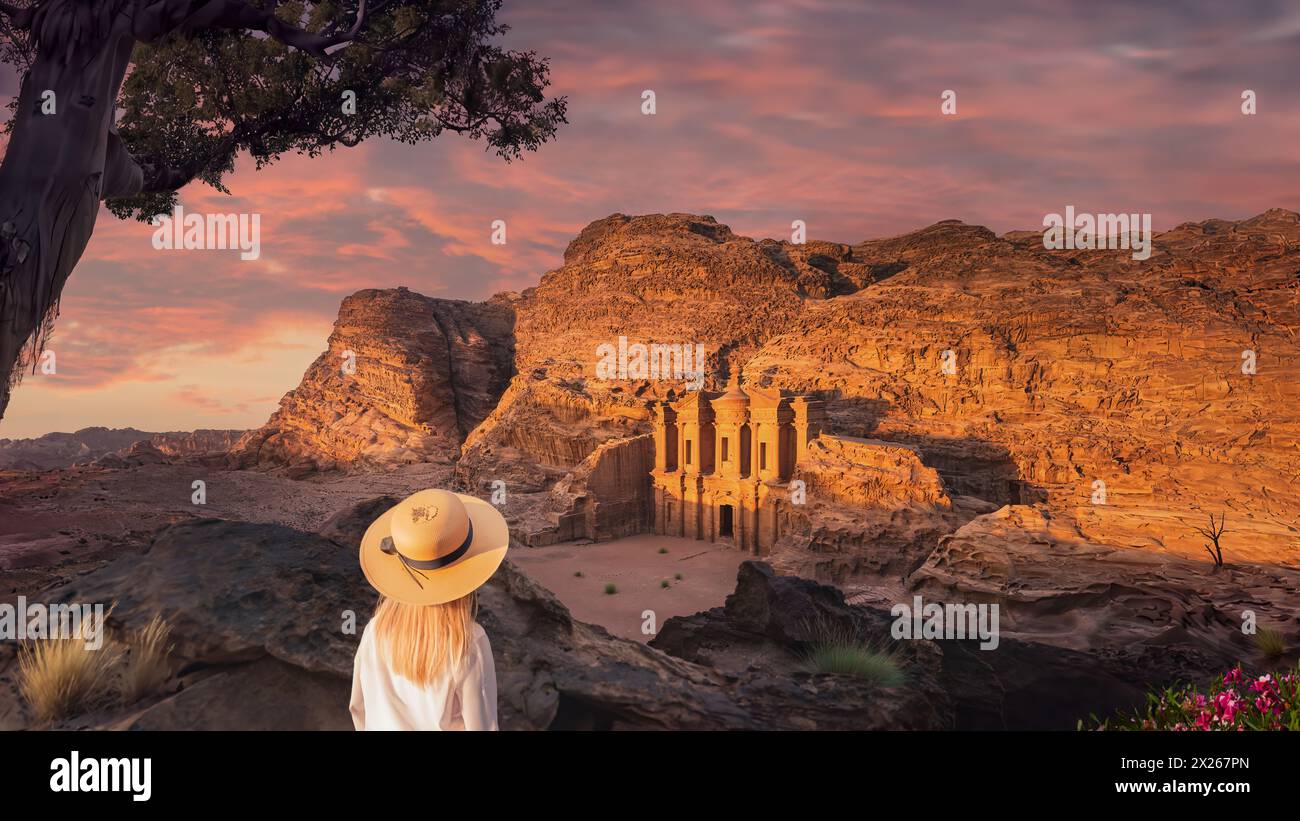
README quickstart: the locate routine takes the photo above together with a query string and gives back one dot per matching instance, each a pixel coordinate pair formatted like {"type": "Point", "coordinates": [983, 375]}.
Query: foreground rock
{"type": "Point", "coordinates": [258, 611]}
{"type": "Point", "coordinates": [770, 621]}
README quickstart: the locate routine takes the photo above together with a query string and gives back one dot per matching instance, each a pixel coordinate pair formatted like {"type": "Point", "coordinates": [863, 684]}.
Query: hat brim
{"type": "Point", "coordinates": [387, 574]}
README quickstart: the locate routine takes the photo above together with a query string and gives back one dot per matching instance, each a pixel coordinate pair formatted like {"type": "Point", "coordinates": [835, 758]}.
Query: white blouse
{"type": "Point", "coordinates": [460, 699]}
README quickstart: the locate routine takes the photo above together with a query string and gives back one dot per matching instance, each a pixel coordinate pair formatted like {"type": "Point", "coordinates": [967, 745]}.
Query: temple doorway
{"type": "Point", "coordinates": [724, 521]}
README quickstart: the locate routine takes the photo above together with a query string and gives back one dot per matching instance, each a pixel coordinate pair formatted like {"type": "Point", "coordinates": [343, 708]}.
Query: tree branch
{"type": "Point", "coordinates": [241, 15]}
{"type": "Point", "coordinates": [20, 19]}
{"type": "Point", "coordinates": [166, 16]}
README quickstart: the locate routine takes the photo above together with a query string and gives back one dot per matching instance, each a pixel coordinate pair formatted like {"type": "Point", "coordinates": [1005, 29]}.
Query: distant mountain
{"type": "Point", "coordinates": [61, 450]}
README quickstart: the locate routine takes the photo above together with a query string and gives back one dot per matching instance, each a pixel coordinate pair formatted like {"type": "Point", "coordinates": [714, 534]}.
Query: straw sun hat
{"type": "Point", "coordinates": [434, 547]}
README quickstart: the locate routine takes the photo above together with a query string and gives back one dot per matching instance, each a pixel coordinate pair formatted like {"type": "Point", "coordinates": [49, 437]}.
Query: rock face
{"type": "Point", "coordinates": [606, 497]}
{"type": "Point", "coordinates": [662, 278]}
{"type": "Point", "coordinates": [61, 450]}
{"type": "Point", "coordinates": [1058, 580]}
{"type": "Point", "coordinates": [405, 379]}
{"type": "Point", "coordinates": [870, 473]}
{"type": "Point", "coordinates": [961, 371]}
{"type": "Point", "coordinates": [1073, 368]}
{"type": "Point", "coordinates": [872, 508]}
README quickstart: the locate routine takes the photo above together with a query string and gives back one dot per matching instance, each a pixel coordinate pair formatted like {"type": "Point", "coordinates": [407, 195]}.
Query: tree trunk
{"type": "Point", "coordinates": [57, 169]}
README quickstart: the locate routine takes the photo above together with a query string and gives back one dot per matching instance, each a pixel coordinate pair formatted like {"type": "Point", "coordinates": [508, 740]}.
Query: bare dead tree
{"type": "Point", "coordinates": [1214, 532]}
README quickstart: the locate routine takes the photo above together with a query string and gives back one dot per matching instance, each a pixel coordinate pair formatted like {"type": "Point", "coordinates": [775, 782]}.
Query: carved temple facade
{"type": "Point", "coordinates": [723, 462]}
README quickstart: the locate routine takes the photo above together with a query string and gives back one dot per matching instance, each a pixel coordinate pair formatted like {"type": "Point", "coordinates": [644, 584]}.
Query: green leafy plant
{"type": "Point", "coordinates": [610, 589]}
{"type": "Point", "coordinates": [1235, 701]}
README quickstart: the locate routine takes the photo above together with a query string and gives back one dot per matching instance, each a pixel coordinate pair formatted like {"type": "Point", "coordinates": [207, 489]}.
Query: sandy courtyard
{"type": "Point", "coordinates": [637, 569]}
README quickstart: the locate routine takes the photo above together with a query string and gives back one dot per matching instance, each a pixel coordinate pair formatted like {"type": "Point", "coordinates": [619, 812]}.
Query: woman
{"type": "Point", "coordinates": [424, 663]}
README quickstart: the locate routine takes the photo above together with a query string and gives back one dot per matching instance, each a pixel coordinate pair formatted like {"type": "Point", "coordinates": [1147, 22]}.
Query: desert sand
{"type": "Point", "coordinates": [637, 569]}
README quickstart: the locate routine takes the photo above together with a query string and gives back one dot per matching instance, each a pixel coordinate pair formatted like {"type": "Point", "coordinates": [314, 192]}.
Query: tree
{"type": "Point", "coordinates": [1214, 532]}
{"type": "Point", "coordinates": [199, 81]}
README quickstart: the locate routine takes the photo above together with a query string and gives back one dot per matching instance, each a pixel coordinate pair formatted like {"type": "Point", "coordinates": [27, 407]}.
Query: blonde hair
{"type": "Point", "coordinates": [421, 641]}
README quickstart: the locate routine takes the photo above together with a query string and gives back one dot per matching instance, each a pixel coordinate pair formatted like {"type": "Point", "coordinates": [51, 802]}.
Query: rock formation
{"type": "Point", "coordinates": [405, 378]}
{"type": "Point", "coordinates": [1070, 369]}
{"type": "Point", "coordinates": [768, 623]}
{"type": "Point", "coordinates": [668, 279]}
{"type": "Point", "coordinates": [1059, 582]}
{"type": "Point", "coordinates": [607, 496]}
{"type": "Point", "coordinates": [258, 614]}
{"type": "Point", "coordinates": [61, 450]}
{"type": "Point", "coordinates": [1128, 399]}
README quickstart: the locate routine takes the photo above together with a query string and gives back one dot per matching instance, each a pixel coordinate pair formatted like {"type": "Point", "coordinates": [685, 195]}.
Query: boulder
{"type": "Point", "coordinates": [770, 620]}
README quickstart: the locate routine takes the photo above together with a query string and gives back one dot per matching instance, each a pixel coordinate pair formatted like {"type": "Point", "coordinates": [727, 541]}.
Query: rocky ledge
{"type": "Point", "coordinates": [261, 613]}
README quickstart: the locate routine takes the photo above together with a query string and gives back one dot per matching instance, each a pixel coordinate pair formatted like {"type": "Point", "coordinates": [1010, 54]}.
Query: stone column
{"type": "Point", "coordinates": [809, 417]}
{"type": "Point", "coordinates": [665, 431]}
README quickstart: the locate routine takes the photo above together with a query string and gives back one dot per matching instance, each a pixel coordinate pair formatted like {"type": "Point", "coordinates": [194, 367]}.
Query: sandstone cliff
{"type": "Point", "coordinates": [985, 370]}
{"type": "Point", "coordinates": [662, 278]}
{"type": "Point", "coordinates": [404, 379]}
{"type": "Point", "coordinates": [1079, 377]}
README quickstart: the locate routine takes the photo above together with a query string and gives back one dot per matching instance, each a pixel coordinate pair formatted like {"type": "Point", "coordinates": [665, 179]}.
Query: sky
{"type": "Point", "coordinates": [766, 112]}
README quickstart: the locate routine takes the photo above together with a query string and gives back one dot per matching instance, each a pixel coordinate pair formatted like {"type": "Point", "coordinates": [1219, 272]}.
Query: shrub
{"type": "Point", "coordinates": [577, 574]}
{"type": "Point", "coordinates": [1270, 642]}
{"type": "Point", "coordinates": [1234, 702]}
{"type": "Point", "coordinates": [610, 589]}
{"type": "Point", "coordinates": [665, 584]}
{"type": "Point", "coordinates": [839, 651]}
{"type": "Point", "coordinates": [147, 665]}
{"type": "Point", "coordinates": [663, 550]}
{"type": "Point", "coordinates": [63, 677]}
{"type": "Point", "coordinates": [678, 577]}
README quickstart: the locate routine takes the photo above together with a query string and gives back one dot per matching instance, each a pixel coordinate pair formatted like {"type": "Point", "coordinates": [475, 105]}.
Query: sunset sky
{"type": "Point", "coordinates": [827, 112]}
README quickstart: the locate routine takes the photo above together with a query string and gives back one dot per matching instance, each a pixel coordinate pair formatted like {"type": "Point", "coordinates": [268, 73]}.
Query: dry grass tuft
{"type": "Point", "coordinates": [62, 677]}
{"type": "Point", "coordinates": [147, 664]}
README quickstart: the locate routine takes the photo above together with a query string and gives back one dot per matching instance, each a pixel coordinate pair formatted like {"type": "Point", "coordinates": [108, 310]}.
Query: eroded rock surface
{"type": "Point", "coordinates": [256, 605]}
{"type": "Point", "coordinates": [1073, 368]}
{"type": "Point", "coordinates": [770, 621]}
{"type": "Point", "coordinates": [405, 378]}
